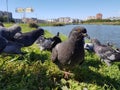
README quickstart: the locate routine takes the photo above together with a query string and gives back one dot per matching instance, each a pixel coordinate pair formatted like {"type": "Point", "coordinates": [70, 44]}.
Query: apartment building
{"type": "Point", "coordinates": [6, 14]}
{"type": "Point", "coordinates": [99, 16]}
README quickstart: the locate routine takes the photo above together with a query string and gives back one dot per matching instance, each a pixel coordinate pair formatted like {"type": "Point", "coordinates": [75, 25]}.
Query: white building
{"type": "Point", "coordinates": [65, 20]}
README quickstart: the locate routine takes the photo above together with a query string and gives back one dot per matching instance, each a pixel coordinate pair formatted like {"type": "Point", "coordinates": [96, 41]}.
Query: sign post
{"type": "Point", "coordinates": [24, 11]}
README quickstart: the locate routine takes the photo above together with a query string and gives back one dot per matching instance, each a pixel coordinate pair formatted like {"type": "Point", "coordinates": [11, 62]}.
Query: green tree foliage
{"type": "Point", "coordinates": [98, 20]}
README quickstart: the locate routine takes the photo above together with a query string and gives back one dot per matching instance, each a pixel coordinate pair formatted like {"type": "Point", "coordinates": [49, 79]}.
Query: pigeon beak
{"type": "Point", "coordinates": [85, 34]}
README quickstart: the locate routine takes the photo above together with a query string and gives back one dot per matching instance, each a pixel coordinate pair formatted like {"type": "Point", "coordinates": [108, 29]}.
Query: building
{"type": "Point", "coordinates": [17, 20]}
{"type": "Point", "coordinates": [99, 16]}
{"type": "Point", "coordinates": [113, 18]}
{"type": "Point", "coordinates": [6, 14]}
{"type": "Point", "coordinates": [29, 20]}
{"type": "Point", "coordinates": [64, 20]}
{"type": "Point", "coordinates": [52, 20]}
{"type": "Point", "coordinates": [90, 17]}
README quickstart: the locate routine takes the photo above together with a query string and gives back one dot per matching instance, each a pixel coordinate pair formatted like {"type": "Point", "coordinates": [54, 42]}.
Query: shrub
{"type": "Point", "coordinates": [33, 25]}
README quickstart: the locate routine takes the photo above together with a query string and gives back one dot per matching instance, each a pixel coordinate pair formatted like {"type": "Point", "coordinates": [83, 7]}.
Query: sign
{"type": "Point", "coordinates": [28, 10]}
{"type": "Point", "coordinates": [19, 10]}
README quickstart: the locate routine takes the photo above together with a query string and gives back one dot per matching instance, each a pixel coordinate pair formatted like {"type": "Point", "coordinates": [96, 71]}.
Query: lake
{"type": "Point", "coordinates": [104, 33]}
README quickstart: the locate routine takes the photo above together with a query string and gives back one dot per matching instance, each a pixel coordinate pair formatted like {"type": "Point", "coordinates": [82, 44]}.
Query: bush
{"type": "Point", "coordinates": [33, 25]}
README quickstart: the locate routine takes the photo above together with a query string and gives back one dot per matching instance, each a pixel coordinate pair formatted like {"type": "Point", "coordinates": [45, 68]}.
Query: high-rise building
{"type": "Point", "coordinates": [99, 16]}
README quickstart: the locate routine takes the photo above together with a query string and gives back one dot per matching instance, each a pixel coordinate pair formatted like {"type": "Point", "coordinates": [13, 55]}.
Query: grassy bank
{"type": "Point", "coordinates": [102, 21]}
{"type": "Point", "coordinates": [35, 71]}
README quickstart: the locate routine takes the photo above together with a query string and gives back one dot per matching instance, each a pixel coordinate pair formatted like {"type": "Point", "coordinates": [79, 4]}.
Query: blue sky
{"type": "Point", "coordinates": [48, 9]}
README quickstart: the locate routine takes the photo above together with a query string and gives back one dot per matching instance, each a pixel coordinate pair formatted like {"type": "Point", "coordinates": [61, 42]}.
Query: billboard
{"type": "Point", "coordinates": [19, 10]}
{"type": "Point", "coordinates": [28, 10]}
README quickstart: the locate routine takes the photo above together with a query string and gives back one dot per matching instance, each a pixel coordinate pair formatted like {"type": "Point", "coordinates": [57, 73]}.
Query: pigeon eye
{"type": "Point", "coordinates": [84, 31]}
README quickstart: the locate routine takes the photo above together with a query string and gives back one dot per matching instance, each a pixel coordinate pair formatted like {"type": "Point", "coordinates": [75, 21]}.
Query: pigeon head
{"type": "Point", "coordinates": [37, 33]}
{"type": "Point", "coordinates": [78, 32]}
{"type": "Point", "coordinates": [41, 31]}
{"type": "Point", "coordinates": [95, 41]}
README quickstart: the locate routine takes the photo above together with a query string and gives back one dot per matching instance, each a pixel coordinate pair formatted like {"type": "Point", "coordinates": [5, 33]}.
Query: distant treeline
{"type": "Point", "coordinates": [101, 21]}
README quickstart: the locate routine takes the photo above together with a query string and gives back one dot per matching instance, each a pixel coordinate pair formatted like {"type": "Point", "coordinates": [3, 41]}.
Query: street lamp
{"type": "Point", "coordinates": [7, 10]}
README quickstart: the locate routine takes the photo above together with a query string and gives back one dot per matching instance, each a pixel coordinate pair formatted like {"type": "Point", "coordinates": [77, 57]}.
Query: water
{"type": "Point", "coordinates": [104, 33]}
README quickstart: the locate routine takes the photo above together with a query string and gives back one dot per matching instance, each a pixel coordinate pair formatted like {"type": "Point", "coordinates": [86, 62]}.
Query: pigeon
{"type": "Point", "coordinates": [14, 30]}
{"type": "Point", "coordinates": [105, 52]}
{"type": "Point", "coordinates": [28, 38]}
{"type": "Point", "coordinates": [13, 48]}
{"type": "Point", "coordinates": [56, 39]}
{"type": "Point", "coordinates": [44, 43]}
{"type": "Point", "coordinates": [10, 47]}
{"type": "Point", "coordinates": [48, 43]}
{"type": "Point", "coordinates": [70, 53]}
{"type": "Point", "coordinates": [6, 37]}
{"type": "Point", "coordinates": [9, 33]}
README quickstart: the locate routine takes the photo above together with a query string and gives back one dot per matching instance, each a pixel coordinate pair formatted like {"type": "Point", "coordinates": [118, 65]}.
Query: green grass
{"type": "Point", "coordinates": [35, 71]}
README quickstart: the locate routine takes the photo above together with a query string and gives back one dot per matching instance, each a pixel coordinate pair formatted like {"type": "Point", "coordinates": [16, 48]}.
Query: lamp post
{"type": "Point", "coordinates": [7, 10]}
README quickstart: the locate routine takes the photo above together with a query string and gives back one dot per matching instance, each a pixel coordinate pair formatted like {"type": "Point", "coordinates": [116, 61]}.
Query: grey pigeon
{"type": "Point", "coordinates": [70, 52]}
{"type": "Point", "coordinates": [28, 38]}
{"type": "Point", "coordinates": [13, 48]}
{"type": "Point", "coordinates": [10, 32]}
{"type": "Point", "coordinates": [48, 43]}
{"type": "Point", "coordinates": [105, 52]}
{"type": "Point", "coordinates": [10, 47]}
{"type": "Point", "coordinates": [14, 30]}
{"type": "Point", "coordinates": [44, 43]}
{"type": "Point", "coordinates": [56, 39]}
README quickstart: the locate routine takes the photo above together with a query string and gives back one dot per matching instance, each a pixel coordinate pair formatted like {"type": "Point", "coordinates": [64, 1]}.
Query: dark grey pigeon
{"type": "Point", "coordinates": [28, 38]}
{"type": "Point", "coordinates": [14, 30]}
{"type": "Point", "coordinates": [13, 48]}
{"type": "Point", "coordinates": [48, 43]}
{"type": "Point", "coordinates": [70, 52]}
{"type": "Point", "coordinates": [56, 39]}
{"type": "Point", "coordinates": [10, 32]}
{"type": "Point", "coordinates": [105, 52]}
